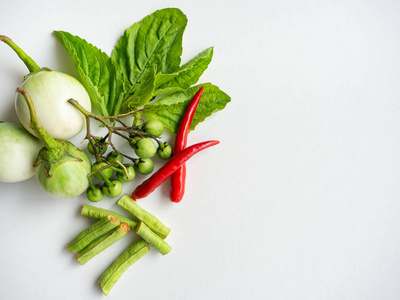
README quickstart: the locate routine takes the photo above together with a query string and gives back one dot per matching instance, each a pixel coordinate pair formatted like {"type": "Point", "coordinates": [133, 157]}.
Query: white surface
{"type": "Point", "coordinates": [301, 198]}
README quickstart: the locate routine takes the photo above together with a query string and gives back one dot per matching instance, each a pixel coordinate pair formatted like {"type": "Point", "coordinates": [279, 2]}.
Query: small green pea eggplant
{"type": "Point", "coordinates": [61, 168]}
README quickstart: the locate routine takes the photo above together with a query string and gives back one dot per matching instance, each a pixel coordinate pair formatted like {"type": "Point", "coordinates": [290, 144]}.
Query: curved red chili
{"type": "Point", "coordinates": [168, 169]}
{"type": "Point", "coordinates": [179, 177]}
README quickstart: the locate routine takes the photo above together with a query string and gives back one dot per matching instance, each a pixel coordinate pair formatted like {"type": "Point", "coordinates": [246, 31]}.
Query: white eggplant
{"type": "Point", "coordinates": [49, 91]}
{"type": "Point", "coordinates": [61, 168]}
{"type": "Point", "coordinates": [18, 152]}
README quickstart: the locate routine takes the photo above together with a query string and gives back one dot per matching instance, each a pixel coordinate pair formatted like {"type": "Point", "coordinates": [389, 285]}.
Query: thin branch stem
{"type": "Point", "coordinates": [123, 131]}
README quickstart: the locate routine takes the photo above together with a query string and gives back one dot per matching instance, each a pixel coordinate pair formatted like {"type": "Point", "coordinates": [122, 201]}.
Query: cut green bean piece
{"type": "Point", "coordinates": [121, 264]}
{"type": "Point", "coordinates": [153, 239]}
{"type": "Point", "coordinates": [102, 243]}
{"type": "Point", "coordinates": [99, 213]}
{"type": "Point", "coordinates": [91, 233]}
{"type": "Point", "coordinates": [151, 221]}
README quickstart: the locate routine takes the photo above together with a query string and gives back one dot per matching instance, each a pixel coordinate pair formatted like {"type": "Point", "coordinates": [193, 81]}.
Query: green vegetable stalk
{"type": "Point", "coordinates": [153, 239]}
{"type": "Point", "coordinates": [151, 221]}
{"type": "Point", "coordinates": [121, 264]}
{"type": "Point", "coordinates": [85, 237]}
{"type": "Point", "coordinates": [102, 243]}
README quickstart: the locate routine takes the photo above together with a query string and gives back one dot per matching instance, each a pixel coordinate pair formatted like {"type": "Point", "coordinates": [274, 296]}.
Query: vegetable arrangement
{"type": "Point", "coordinates": [136, 92]}
{"type": "Point", "coordinates": [109, 228]}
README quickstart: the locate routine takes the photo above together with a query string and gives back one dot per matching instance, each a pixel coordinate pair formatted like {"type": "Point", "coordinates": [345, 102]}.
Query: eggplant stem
{"type": "Point", "coordinates": [29, 62]}
{"type": "Point", "coordinates": [49, 142]}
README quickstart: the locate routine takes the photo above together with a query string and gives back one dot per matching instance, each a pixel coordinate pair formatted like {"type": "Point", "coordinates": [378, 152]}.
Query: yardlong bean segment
{"type": "Point", "coordinates": [151, 221]}
{"type": "Point", "coordinates": [121, 264]}
{"type": "Point", "coordinates": [153, 239]}
{"type": "Point", "coordinates": [102, 243]}
{"type": "Point", "coordinates": [99, 213]}
{"type": "Point", "coordinates": [85, 237]}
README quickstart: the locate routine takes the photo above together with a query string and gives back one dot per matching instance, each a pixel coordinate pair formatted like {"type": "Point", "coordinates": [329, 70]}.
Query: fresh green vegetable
{"type": "Point", "coordinates": [99, 213]}
{"type": "Point", "coordinates": [121, 264]}
{"type": "Point", "coordinates": [154, 127]}
{"type": "Point", "coordinates": [102, 243]}
{"type": "Point", "coordinates": [144, 166]}
{"type": "Point", "coordinates": [19, 150]}
{"type": "Point", "coordinates": [61, 168]}
{"type": "Point", "coordinates": [113, 156]}
{"type": "Point", "coordinates": [153, 239]}
{"type": "Point", "coordinates": [94, 193]}
{"type": "Point", "coordinates": [50, 91]}
{"type": "Point", "coordinates": [164, 151]}
{"type": "Point", "coordinates": [145, 63]}
{"type": "Point", "coordinates": [103, 174]}
{"type": "Point", "coordinates": [134, 140]}
{"type": "Point", "coordinates": [112, 188]}
{"type": "Point", "coordinates": [139, 213]}
{"type": "Point", "coordinates": [85, 237]}
{"type": "Point", "coordinates": [145, 148]}
{"type": "Point", "coordinates": [123, 177]}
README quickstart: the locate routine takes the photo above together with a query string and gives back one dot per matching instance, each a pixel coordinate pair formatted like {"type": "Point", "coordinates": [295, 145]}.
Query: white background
{"type": "Point", "coordinates": [301, 200]}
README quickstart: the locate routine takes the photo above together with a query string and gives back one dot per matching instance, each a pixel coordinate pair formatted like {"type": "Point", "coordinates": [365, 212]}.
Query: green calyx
{"type": "Point", "coordinates": [53, 158]}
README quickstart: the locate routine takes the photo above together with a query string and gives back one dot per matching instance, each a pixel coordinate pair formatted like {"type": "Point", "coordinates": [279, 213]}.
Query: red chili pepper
{"type": "Point", "coordinates": [168, 169]}
{"type": "Point", "coordinates": [179, 177]}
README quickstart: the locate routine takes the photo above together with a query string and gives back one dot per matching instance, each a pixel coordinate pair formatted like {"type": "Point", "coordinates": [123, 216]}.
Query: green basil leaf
{"type": "Point", "coordinates": [100, 76]}
{"type": "Point", "coordinates": [155, 40]}
{"type": "Point", "coordinates": [143, 93]}
{"type": "Point", "coordinates": [185, 76]}
{"type": "Point", "coordinates": [170, 109]}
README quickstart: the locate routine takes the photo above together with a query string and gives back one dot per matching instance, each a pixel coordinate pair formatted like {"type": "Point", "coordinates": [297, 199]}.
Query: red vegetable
{"type": "Point", "coordinates": [168, 169]}
{"type": "Point", "coordinates": [179, 177]}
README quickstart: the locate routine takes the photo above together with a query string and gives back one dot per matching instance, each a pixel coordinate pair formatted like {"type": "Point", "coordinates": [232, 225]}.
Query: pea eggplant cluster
{"type": "Point", "coordinates": [110, 169]}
